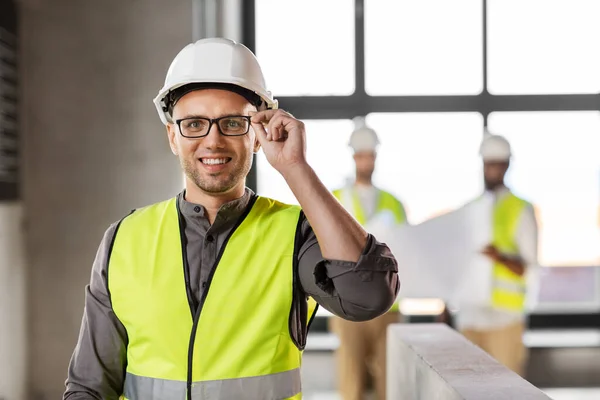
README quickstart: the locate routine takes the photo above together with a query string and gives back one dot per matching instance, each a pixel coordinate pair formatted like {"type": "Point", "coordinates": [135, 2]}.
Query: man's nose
{"type": "Point", "coordinates": [213, 139]}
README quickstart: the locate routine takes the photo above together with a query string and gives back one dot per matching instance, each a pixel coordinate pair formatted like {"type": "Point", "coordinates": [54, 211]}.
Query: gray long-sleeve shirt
{"type": "Point", "coordinates": [354, 291]}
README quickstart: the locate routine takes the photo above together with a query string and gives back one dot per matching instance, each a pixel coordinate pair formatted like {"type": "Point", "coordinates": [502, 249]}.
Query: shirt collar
{"type": "Point", "coordinates": [228, 211]}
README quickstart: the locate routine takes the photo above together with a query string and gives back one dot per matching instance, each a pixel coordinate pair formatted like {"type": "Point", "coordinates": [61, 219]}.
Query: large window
{"type": "Point", "coordinates": [430, 76]}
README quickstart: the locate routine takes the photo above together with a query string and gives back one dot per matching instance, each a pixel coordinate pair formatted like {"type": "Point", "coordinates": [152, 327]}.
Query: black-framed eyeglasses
{"type": "Point", "coordinates": [197, 127]}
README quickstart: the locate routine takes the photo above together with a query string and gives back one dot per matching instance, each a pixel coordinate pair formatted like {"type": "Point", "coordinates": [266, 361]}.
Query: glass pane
{"type": "Point", "coordinates": [423, 47]}
{"type": "Point", "coordinates": [556, 166]}
{"type": "Point", "coordinates": [306, 47]}
{"type": "Point", "coordinates": [430, 160]}
{"type": "Point", "coordinates": [327, 152]}
{"type": "Point", "coordinates": [543, 46]}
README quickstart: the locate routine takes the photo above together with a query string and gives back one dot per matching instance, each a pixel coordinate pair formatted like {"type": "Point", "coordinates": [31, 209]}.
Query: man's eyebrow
{"type": "Point", "coordinates": [189, 116]}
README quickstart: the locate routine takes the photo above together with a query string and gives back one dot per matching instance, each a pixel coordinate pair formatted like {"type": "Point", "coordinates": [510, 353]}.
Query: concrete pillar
{"type": "Point", "coordinates": [217, 18]}
{"type": "Point", "coordinates": [12, 303]}
{"type": "Point", "coordinates": [13, 346]}
{"type": "Point", "coordinates": [94, 149]}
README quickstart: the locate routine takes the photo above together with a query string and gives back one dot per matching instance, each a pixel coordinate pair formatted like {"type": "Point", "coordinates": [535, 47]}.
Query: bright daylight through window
{"type": "Point", "coordinates": [547, 47]}
{"type": "Point", "coordinates": [322, 62]}
{"type": "Point", "coordinates": [429, 47]}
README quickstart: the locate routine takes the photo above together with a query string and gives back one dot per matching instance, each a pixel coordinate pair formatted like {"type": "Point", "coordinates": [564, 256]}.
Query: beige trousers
{"type": "Point", "coordinates": [504, 344]}
{"type": "Point", "coordinates": [361, 352]}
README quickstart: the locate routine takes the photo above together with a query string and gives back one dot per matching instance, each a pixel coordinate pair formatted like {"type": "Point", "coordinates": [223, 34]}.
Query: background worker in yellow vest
{"type": "Point", "coordinates": [496, 324]}
{"type": "Point", "coordinates": [363, 344]}
{"type": "Point", "coordinates": [206, 295]}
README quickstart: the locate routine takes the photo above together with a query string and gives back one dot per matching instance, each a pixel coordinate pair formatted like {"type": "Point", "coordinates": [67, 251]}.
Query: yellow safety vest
{"type": "Point", "coordinates": [508, 292]}
{"type": "Point", "coordinates": [236, 344]}
{"type": "Point", "coordinates": [385, 202]}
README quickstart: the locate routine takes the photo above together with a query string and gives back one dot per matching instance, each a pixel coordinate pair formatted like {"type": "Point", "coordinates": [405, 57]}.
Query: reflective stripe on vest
{"type": "Point", "coordinates": [242, 337]}
{"type": "Point", "coordinates": [508, 292]}
{"type": "Point", "coordinates": [276, 386]}
{"type": "Point", "coordinates": [385, 202]}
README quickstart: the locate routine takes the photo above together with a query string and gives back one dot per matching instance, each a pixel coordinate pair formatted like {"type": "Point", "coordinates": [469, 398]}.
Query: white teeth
{"type": "Point", "coordinates": [214, 161]}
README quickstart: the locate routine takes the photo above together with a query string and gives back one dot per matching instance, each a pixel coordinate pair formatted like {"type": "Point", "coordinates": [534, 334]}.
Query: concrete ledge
{"type": "Point", "coordinates": [432, 361]}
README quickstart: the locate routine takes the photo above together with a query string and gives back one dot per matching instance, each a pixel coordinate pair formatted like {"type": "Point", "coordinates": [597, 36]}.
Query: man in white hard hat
{"type": "Point", "coordinates": [363, 344]}
{"type": "Point", "coordinates": [208, 295]}
{"type": "Point", "coordinates": [496, 324]}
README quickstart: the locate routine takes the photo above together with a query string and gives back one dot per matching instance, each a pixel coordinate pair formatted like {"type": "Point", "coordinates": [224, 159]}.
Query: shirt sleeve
{"type": "Point", "coordinates": [527, 237]}
{"type": "Point", "coordinates": [354, 291]}
{"type": "Point", "coordinates": [97, 367]}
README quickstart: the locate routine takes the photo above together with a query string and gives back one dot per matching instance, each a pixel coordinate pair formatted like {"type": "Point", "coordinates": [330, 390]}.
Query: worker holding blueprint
{"type": "Point", "coordinates": [495, 320]}
{"type": "Point", "coordinates": [478, 258]}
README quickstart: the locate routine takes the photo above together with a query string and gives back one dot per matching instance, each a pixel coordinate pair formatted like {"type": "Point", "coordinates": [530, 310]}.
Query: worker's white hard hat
{"type": "Point", "coordinates": [213, 61]}
{"type": "Point", "coordinates": [363, 138]}
{"type": "Point", "coordinates": [494, 148]}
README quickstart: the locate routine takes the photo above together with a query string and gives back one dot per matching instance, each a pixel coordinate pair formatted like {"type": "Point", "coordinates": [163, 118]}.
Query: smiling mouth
{"type": "Point", "coordinates": [215, 161]}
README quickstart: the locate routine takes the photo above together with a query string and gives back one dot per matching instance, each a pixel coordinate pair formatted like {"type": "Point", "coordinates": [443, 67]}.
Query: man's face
{"type": "Point", "coordinates": [365, 164]}
{"type": "Point", "coordinates": [201, 158]}
{"type": "Point", "coordinates": [493, 173]}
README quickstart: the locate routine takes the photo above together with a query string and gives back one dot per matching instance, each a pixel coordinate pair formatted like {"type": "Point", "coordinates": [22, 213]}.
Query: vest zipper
{"type": "Point", "coordinates": [205, 293]}
{"type": "Point", "coordinates": [186, 266]}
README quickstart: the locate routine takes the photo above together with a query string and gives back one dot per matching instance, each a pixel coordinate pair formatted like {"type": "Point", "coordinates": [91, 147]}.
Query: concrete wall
{"type": "Point", "coordinates": [13, 342]}
{"type": "Point", "coordinates": [93, 149]}
{"type": "Point", "coordinates": [12, 303]}
{"type": "Point", "coordinates": [434, 362]}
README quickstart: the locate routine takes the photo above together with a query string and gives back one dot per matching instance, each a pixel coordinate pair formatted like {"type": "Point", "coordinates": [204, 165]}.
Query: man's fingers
{"type": "Point", "coordinates": [266, 115]}
{"type": "Point", "coordinates": [276, 133]}
{"type": "Point", "coordinates": [276, 126]}
{"type": "Point", "coordinates": [281, 124]}
{"type": "Point", "coordinates": [261, 133]}
{"type": "Point", "coordinates": [272, 124]}
{"type": "Point", "coordinates": [263, 116]}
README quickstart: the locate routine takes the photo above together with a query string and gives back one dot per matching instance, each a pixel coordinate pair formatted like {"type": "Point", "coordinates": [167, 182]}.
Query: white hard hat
{"type": "Point", "coordinates": [494, 148]}
{"type": "Point", "coordinates": [363, 138]}
{"type": "Point", "coordinates": [213, 60]}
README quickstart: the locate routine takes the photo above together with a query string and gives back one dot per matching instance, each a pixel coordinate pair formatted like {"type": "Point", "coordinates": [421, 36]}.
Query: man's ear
{"type": "Point", "coordinates": [256, 145]}
{"type": "Point", "coordinates": [171, 135]}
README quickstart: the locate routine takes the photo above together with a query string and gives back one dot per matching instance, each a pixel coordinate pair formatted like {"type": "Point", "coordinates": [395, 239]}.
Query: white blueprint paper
{"type": "Point", "coordinates": [475, 286]}
{"type": "Point", "coordinates": [441, 257]}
